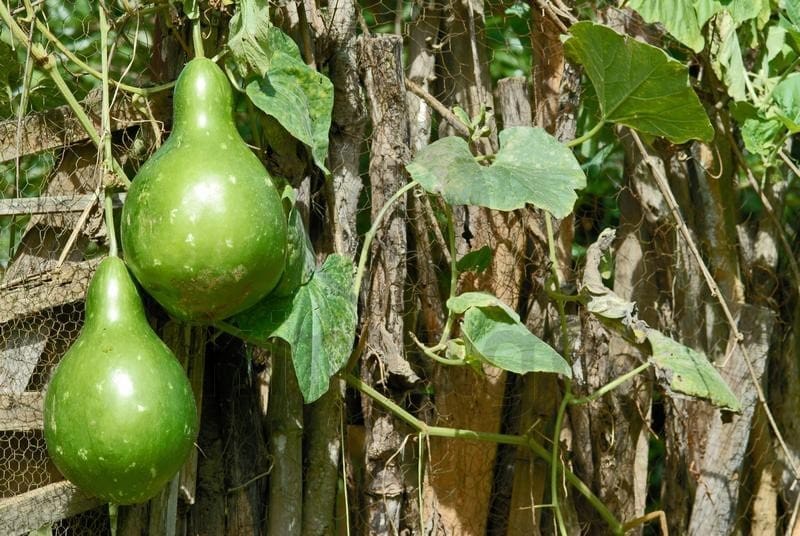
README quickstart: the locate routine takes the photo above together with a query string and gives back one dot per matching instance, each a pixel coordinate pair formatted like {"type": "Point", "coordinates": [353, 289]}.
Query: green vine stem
{"type": "Point", "coordinates": [586, 136]}
{"type": "Point", "coordinates": [431, 352]}
{"type": "Point", "coordinates": [106, 104]}
{"type": "Point", "coordinates": [610, 386]}
{"type": "Point", "coordinates": [108, 159]}
{"type": "Point", "coordinates": [562, 315]}
{"type": "Point", "coordinates": [143, 91]}
{"type": "Point", "coordinates": [504, 439]}
{"type": "Point", "coordinates": [451, 244]}
{"type": "Point", "coordinates": [48, 64]}
{"type": "Point", "coordinates": [556, 465]}
{"type": "Point", "coordinates": [373, 230]}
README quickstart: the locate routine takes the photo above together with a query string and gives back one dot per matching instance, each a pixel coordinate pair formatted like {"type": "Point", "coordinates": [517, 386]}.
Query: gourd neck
{"type": "Point", "coordinates": [203, 102]}
{"type": "Point", "coordinates": [112, 299]}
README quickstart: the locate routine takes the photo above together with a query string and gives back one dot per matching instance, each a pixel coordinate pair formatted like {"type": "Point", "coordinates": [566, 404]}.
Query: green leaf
{"type": "Point", "coordinates": [689, 372]}
{"type": "Point", "coordinates": [638, 85]}
{"type": "Point", "coordinates": [678, 17]}
{"type": "Point", "coordinates": [786, 97]}
{"type": "Point", "coordinates": [477, 261]}
{"type": "Point", "coordinates": [300, 258]}
{"type": "Point", "coordinates": [760, 135]}
{"type": "Point", "coordinates": [318, 322]}
{"type": "Point", "coordinates": [492, 336]}
{"type": "Point", "coordinates": [726, 57]}
{"type": "Point", "coordinates": [463, 302]}
{"type": "Point", "coordinates": [297, 96]}
{"type": "Point", "coordinates": [530, 167]}
{"type": "Point", "coordinates": [249, 38]}
{"type": "Point", "coordinates": [792, 9]}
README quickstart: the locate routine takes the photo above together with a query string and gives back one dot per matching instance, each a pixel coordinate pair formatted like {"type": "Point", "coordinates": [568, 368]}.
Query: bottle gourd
{"type": "Point", "coordinates": [203, 229]}
{"type": "Point", "coordinates": [119, 415]}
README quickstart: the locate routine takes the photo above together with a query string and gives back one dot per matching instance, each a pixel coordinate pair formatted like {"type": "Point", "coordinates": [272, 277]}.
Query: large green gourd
{"type": "Point", "coordinates": [203, 229]}
{"type": "Point", "coordinates": [119, 415]}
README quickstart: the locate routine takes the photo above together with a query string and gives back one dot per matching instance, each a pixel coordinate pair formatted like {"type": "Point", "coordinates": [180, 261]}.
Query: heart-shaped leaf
{"type": "Point", "coordinates": [689, 372]}
{"type": "Point", "coordinates": [530, 167]}
{"type": "Point", "coordinates": [490, 334]}
{"type": "Point", "coordinates": [638, 85]}
{"type": "Point", "coordinates": [318, 322]}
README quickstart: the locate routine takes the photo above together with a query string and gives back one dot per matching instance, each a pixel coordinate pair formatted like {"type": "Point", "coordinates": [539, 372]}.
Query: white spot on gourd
{"type": "Point", "coordinates": [229, 243]}
{"type": "Point", "coordinates": [239, 272]}
{"type": "Point", "coordinates": [83, 454]}
{"type": "Point", "coordinates": [59, 449]}
{"type": "Point", "coordinates": [223, 146]}
{"type": "Point", "coordinates": [231, 179]}
{"type": "Point", "coordinates": [156, 262]}
{"type": "Point", "coordinates": [172, 214]}
{"type": "Point", "coordinates": [140, 408]}
{"type": "Point", "coordinates": [153, 472]}
{"type": "Point", "coordinates": [190, 239]}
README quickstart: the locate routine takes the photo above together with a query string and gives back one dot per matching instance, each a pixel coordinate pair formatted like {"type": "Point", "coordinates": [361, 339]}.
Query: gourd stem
{"type": "Point", "coordinates": [197, 39]}
{"type": "Point", "coordinates": [112, 517]}
{"type": "Point", "coordinates": [109, 217]}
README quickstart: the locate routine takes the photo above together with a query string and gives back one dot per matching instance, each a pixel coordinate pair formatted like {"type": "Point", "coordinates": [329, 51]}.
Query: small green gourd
{"type": "Point", "coordinates": [119, 414]}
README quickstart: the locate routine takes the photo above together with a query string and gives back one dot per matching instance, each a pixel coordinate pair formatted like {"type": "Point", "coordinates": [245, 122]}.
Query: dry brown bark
{"type": "Point", "coordinates": [383, 363]}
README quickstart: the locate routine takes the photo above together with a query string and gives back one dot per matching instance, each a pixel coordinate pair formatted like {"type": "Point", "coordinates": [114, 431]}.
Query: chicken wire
{"type": "Point", "coordinates": [49, 257]}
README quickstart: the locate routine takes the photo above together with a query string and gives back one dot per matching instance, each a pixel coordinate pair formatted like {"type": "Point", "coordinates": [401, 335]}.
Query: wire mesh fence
{"type": "Point", "coordinates": [52, 238]}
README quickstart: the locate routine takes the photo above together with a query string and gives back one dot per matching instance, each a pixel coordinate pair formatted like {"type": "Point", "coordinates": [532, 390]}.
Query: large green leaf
{"type": "Point", "coordinates": [678, 17]}
{"type": "Point", "coordinates": [786, 97]}
{"type": "Point", "coordinates": [638, 85]}
{"type": "Point", "coordinates": [278, 81]}
{"type": "Point", "coordinates": [689, 372]}
{"type": "Point", "coordinates": [490, 334]}
{"type": "Point", "coordinates": [299, 97]}
{"type": "Point", "coordinates": [249, 31]}
{"type": "Point", "coordinates": [318, 322]}
{"type": "Point", "coordinates": [530, 167]}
